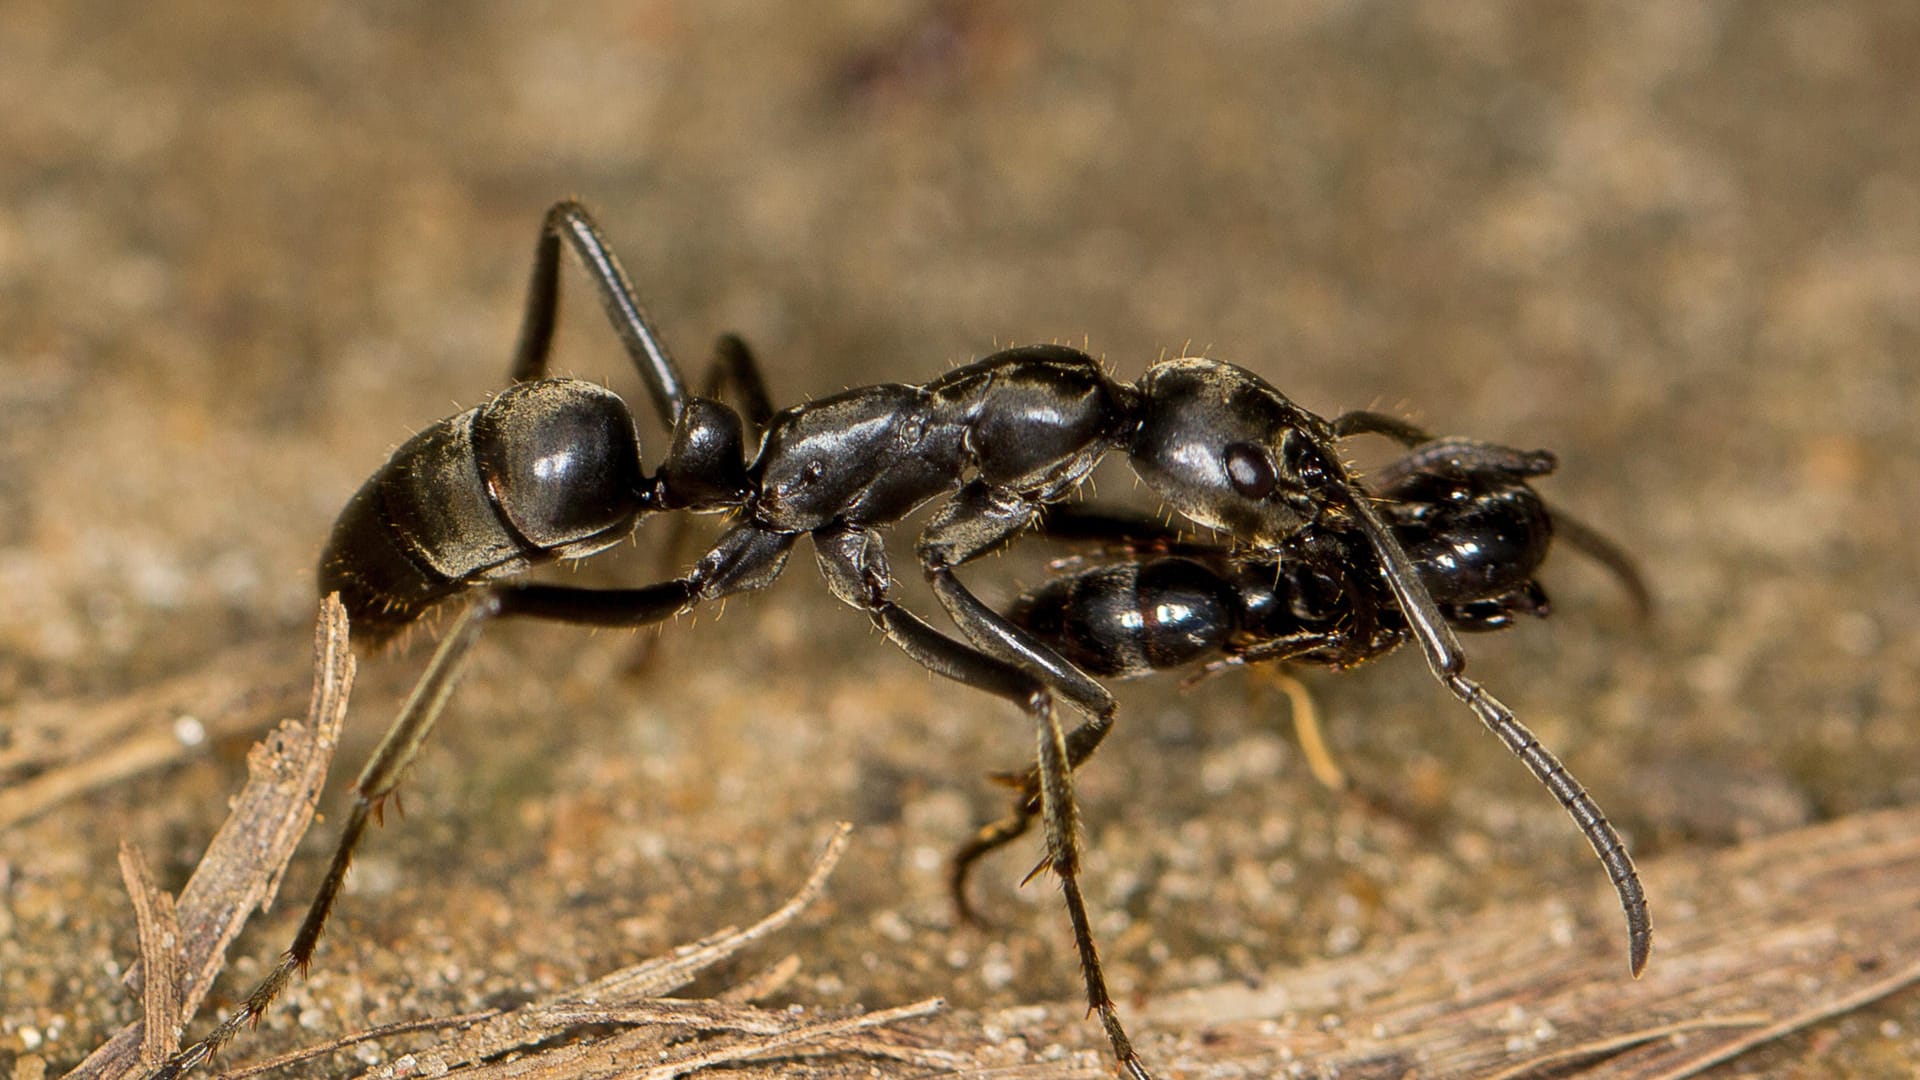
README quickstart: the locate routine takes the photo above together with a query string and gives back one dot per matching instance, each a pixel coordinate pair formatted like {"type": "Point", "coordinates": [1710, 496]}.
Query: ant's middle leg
{"type": "Point", "coordinates": [1082, 741]}
{"type": "Point", "coordinates": [570, 221]}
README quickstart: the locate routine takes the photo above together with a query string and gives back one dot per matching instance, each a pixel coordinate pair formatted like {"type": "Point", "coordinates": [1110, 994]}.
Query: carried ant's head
{"type": "Point", "coordinates": [1465, 515]}
{"type": "Point", "coordinates": [1230, 452]}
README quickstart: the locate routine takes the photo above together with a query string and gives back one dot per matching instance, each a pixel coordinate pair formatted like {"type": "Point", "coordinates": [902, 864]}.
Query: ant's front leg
{"type": "Point", "coordinates": [978, 519]}
{"type": "Point", "coordinates": [854, 562]}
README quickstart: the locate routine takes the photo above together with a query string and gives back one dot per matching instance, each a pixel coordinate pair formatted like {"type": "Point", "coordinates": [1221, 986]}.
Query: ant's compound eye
{"type": "Point", "coordinates": [1249, 469]}
{"type": "Point", "coordinates": [1305, 462]}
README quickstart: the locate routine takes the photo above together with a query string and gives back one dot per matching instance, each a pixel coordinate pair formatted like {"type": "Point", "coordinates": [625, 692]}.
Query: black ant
{"type": "Point", "coordinates": [551, 469]}
{"type": "Point", "coordinates": [1153, 599]}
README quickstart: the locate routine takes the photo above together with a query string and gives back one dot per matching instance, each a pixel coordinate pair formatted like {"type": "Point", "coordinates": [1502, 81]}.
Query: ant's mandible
{"type": "Point", "coordinates": [551, 469]}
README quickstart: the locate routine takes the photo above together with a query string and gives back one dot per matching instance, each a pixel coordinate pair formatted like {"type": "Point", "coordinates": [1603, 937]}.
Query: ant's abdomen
{"type": "Point", "coordinates": [546, 470]}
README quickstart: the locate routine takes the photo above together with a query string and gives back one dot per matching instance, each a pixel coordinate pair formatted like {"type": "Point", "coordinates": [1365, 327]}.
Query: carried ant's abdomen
{"type": "Point", "coordinates": [545, 470]}
{"type": "Point", "coordinates": [1132, 618]}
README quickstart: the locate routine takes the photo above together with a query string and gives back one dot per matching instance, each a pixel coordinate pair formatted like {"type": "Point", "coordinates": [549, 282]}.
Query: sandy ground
{"type": "Point", "coordinates": [243, 256]}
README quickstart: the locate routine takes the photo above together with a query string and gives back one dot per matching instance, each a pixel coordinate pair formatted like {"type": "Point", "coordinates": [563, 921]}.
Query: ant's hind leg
{"type": "Point", "coordinates": [733, 367]}
{"type": "Point", "coordinates": [377, 781]}
{"type": "Point", "coordinates": [744, 559]}
{"type": "Point", "coordinates": [570, 221]}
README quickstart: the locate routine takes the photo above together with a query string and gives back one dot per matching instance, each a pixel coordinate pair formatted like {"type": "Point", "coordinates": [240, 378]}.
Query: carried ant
{"type": "Point", "coordinates": [1152, 599]}
{"type": "Point", "coordinates": [551, 469]}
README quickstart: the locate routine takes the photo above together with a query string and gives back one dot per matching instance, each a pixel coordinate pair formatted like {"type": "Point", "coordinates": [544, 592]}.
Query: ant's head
{"type": "Point", "coordinates": [1230, 452]}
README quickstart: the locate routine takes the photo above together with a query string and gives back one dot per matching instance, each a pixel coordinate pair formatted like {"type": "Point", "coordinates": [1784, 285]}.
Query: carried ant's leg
{"type": "Point", "coordinates": [1449, 663]}
{"type": "Point", "coordinates": [570, 221]}
{"type": "Point", "coordinates": [1431, 454]}
{"type": "Point", "coordinates": [998, 834]}
{"type": "Point", "coordinates": [1594, 545]}
{"type": "Point", "coordinates": [1306, 727]}
{"type": "Point", "coordinates": [854, 563]}
{"type": "Point", "coordinates": [991, 837]}
{"type": "Point", "coordinates": [1367, 422]}
{"type": "Point", "coordinates": [1460, 457]}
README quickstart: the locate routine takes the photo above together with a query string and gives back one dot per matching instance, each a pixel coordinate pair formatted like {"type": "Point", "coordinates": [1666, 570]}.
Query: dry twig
{"type": "Point", "coordinates": [242, 866]}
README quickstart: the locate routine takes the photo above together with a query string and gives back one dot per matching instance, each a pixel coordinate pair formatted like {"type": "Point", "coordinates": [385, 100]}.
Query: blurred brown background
{"type": "Point", "coordinates": [244, 252]}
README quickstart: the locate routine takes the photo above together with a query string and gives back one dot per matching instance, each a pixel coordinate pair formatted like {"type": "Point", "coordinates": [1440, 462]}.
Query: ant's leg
{"type": "Point", "coordinates": [733, 366]}
{"type": "Point", "coordinates": [990, 838]}
{"type": "Point", "coordinates": [1004, 831]}
{"type": "Point", "coordinates": [744, 559]}
{"type": "Point", "coordinates": [570, 221]}
{"type": "Point", "coordinates": [376, 782]}
{"type": "Point", "coordinates": [854, 563]}
{"type": "Point", "coordinates": [1460, 457]}
{"type": "Point", "coordinates": [1306, 728]}
{"type": "Point", "coordinates": [1431, 454]}
{"type": "Point", "coordinates": [978, 519]}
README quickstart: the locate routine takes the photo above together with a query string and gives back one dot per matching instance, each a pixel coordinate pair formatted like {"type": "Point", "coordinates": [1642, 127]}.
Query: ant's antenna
{"type": "Point", "coordinates": [1449, 663]}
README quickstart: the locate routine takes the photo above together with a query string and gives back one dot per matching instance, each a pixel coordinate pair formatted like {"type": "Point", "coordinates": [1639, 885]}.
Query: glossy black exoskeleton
{"type": "Point", "coordinates": [1154, 599]}
{"type": "Point", "coordinates": [1473, 527]}
{"type": "Point", "coordinates": [552, 469]}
